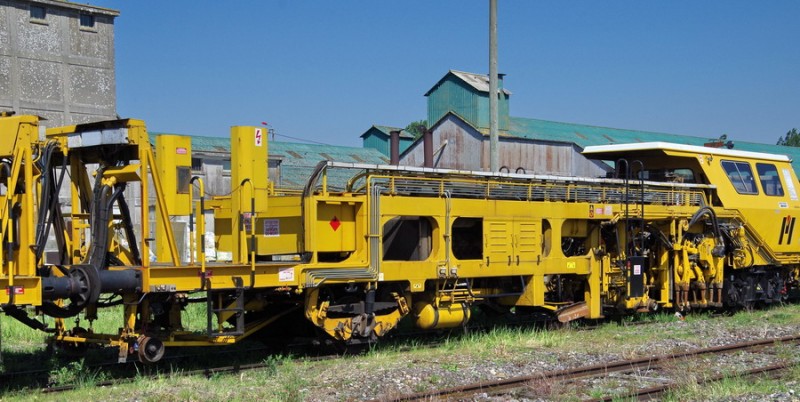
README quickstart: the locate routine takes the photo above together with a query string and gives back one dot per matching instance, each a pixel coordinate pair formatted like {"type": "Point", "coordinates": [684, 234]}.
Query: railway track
{"type": "Point", "coordinates": [135, 369]}
{"type": "Point", "coordinates": [39, 379]}
{"type": "Point", "coordinates": [207, 372]}
{"type": "Point", "coordinates": [306, 349]}
{"type": "Point", "coordinates": [657, 392]}
{"type": "Point", "coordinates": [502, 387]}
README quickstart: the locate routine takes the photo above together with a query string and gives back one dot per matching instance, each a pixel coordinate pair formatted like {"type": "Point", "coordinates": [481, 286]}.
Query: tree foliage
{"type": "Point", "coordinates": [416, 128]}
{"type": "Point", "coordinates": [791, 139]}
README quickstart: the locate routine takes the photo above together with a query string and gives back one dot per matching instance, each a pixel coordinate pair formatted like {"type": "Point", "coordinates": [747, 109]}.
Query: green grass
{"type": "Point", "coordinates": [785, 314]}
{"type": "Point", "coordinates": [290, 379]}
{"type": "Point", "coordinates": [25, 349]}
{"type": "Point", "coordinates": [76, 373]}
{"type": "Point", "coordinates": [734, 387]}
{"type": "Point", "coordinates": [19, 337]}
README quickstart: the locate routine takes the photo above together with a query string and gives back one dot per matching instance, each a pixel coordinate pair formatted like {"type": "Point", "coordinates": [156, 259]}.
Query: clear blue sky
{"type": "Point", "coordinates": [327, 70]}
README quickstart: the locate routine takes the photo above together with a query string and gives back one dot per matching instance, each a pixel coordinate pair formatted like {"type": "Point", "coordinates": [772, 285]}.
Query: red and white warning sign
{"type": "Point", "coordinates": [18, 290]}
{"type": "Point", "coordinates": [259, 137]}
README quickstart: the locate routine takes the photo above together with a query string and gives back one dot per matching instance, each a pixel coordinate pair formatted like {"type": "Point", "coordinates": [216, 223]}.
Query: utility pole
{"type": "Point", "coordinates": [494, 156]}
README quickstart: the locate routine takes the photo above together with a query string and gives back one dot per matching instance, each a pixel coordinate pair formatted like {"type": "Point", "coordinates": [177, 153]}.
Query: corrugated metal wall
{"type": "Point", "coordinates": [534, 157]}
{"type": "Point", "coordinates": [376, 139]}
{"type": "Point", "coordinates": [454, 95]}
{"type": "Point", "coordinates": [463, 144]}
{"type": "Point", "coordinates": [373, 140]}
{"type": "Point", "coordinates": [502, 112]}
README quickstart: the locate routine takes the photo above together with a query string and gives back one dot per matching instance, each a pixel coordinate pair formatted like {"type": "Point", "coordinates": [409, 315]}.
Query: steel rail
{"type": "Point", "coordinates": [9, 377]}
{"type": "Point", "coordinates": [657, 392]}
{"type": "Point", "coordinates": [585, 371]}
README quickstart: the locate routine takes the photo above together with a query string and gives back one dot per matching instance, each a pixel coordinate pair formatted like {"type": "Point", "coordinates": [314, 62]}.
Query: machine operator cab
{"type": "Point", "coordinates": [742, 178]}
{"type": "Point", "coordinates": [761, 187]}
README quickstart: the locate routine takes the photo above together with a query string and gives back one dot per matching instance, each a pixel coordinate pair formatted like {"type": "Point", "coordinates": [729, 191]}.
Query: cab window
{"type": "Point", "coordinates": [741, 176]}
{"type": "Point", "coordinates": [770, 181]}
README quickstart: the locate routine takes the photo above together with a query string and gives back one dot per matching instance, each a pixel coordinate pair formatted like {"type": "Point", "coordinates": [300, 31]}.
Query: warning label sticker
{"type": "Point", "coordinates": [272, 227]}
{"type": "Point", "coordinates": [259, 137]}
{"type": "Point", "coordinates": [286, 275]}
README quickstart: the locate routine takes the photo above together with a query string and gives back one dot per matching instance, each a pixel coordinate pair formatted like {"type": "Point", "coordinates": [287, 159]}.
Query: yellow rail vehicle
{"type": "Point", "coordinates": [364, 246]}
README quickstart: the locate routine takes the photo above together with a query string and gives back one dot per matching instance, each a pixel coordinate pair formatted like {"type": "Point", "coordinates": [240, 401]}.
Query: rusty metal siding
{"type": "Point", "coordinates": [533, 157]}
{"type": "Point", "coordinates": [463, 144]}
{"type": "Point", "coordinates": [414, 155]}
{"type": "Point", "coordinates": [455, 146]}
{"type": "Point", "coordinates": [543, 157]}
{"type": "Point", "coordinates": [587, 167]}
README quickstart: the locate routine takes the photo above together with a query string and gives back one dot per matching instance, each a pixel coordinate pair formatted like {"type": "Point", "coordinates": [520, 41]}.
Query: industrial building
{"type": "Point", "coordinates": [57, 61]}
{"type": "Point", "coordinates": [378, 137]}
{"type": "Point", "coordinates": [458, 115]}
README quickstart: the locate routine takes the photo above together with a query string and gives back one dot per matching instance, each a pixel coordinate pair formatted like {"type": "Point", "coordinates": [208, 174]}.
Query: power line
{"type": "Point", "coordinates": [273, 133]}
{"type": "Point", "coordinates": [300, 139]}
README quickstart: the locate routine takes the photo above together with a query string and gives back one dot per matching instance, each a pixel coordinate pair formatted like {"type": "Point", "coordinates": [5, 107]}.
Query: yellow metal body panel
{"type": "Point", "coordinates": [18, 277]}
{"type": "Point", "coordinates": [27, 290]}
{"type": "Point", "coordinates": [174, 163]}
{"type": "Point", "coordinates": [281, 227]}
{"type": "Point", "coordinates": [14, 128]}
{"type": "Point", "coordinates": [250, 184]}
{"type": "Point", "coordinates": [278, 231]}
{"type": "Point", "coordinates": [352, 261]}
{"type": "Point", "coordinates": [335, 227]}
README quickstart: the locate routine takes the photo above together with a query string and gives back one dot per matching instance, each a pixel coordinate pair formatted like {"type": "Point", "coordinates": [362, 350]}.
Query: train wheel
{"type": "Point", "coordinates": [150, 350]}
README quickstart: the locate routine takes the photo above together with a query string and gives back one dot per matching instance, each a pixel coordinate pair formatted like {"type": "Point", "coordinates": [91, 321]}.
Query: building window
{"type": "Point", "coordinates": [87, 21]}
{"type": "Point", "coordinates": [38, 13]}
{"type": "Point", "coordinates": [197, 164]}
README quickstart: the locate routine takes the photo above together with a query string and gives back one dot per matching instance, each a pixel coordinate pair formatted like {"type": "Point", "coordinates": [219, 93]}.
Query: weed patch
{"type": "Point", "coordinates": [75, 374]}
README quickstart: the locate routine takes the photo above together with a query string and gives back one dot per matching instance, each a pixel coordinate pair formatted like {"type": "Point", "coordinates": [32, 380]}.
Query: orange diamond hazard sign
{"type": "Point", "coordinates": [335, 223]}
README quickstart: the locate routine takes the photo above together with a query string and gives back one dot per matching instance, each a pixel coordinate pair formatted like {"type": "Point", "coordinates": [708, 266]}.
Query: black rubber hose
{"type": "Point", "coordinates": [98, 251]}
{"type": "Point", "coordinates": [129, 233]}
{"type": "Point", "coordinates": [49, 208]}
{"type": "Point", "coordinates": [99, 228]}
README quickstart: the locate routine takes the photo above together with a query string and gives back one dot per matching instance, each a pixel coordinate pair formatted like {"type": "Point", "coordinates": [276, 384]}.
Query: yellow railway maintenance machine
{"type": "Point", "coordinates": [363, 246]}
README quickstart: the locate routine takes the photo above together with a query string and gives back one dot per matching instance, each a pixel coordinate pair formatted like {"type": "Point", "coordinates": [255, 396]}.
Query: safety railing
{"type": "Point", "coordinates": [481, 185]}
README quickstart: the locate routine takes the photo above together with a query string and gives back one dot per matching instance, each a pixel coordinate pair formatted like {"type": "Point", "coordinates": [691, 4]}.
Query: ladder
{"type": "Point", "coordinates": [220, 309]}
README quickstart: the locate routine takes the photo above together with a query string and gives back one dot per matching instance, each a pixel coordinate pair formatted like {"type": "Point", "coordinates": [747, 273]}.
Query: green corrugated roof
{"type": "Point", "coordinates": [298, 154]}
{"type": "Point", "coordinates": [585, 135]}
{"type": "Point", "coordinates": [297, 159]}
{"type": "Point", "coordinates": [292, 153]}
{"type": "Point", "coordinates": [388, 131]}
